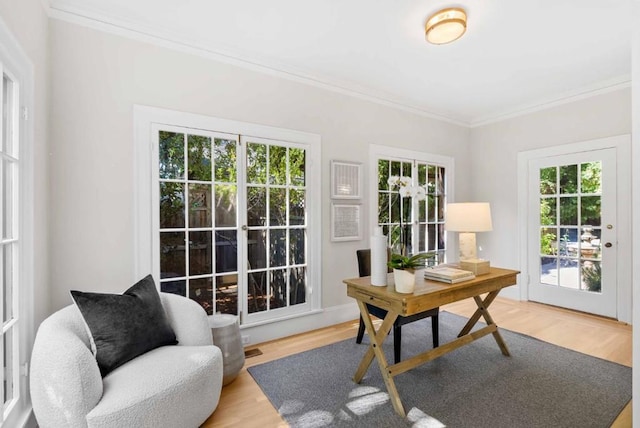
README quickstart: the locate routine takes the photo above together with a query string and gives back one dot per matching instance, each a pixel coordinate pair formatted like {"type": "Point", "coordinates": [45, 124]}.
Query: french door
{"type": "Point", "coordinates": [232, 222]}
{"type": "Point", "coordinates": [572, 231]}
{"type": "Point", "coordinates": [274, 228]}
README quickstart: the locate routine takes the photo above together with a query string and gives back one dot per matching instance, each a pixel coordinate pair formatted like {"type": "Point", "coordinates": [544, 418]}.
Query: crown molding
{"type": "Point", "coordinates": [599, 88]}
{"type": "Point", "coordinates": [128, 29]}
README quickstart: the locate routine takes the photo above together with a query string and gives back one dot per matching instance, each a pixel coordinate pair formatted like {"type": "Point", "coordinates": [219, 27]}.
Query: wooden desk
{"type": "Point", "coordinates": [427, 295]}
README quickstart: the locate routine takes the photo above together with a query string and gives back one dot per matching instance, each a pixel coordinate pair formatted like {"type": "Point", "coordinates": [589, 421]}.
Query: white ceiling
{"type": "Point", "coordinates": [516, 56]}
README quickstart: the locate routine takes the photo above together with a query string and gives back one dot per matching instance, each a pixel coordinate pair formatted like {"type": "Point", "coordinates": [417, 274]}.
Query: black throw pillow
{"type": "Point", "coordinates": [125, 326]}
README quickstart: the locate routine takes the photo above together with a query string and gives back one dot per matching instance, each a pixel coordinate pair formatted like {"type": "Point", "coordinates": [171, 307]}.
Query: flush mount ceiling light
{"type": "Point", "coordinates": [446, 25]}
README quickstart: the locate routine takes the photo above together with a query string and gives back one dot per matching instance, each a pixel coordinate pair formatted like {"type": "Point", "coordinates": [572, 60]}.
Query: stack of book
{"type": "Point", "coordinates": [447, 274]}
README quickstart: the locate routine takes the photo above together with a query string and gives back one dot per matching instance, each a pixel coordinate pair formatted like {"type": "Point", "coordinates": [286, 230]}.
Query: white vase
{"type": "Point", "coordinates": [405, 280]}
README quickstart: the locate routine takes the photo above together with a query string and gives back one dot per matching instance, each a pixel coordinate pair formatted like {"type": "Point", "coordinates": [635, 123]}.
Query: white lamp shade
{"type": "Point", "coordinates": [468, 217]}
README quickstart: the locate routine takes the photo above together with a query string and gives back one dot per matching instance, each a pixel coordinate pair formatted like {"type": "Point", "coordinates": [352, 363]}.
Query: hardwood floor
{"type": "Point", "coordinates": [243, 404]}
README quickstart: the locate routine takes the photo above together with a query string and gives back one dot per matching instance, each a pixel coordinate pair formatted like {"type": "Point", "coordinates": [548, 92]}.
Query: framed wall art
{"type": "Point", "coordinates": [346, 180]}
{"type": "Point", "coordinates": [345, 222]}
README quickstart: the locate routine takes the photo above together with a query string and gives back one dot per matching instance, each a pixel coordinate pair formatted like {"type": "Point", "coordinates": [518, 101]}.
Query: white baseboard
{"type": "Point", "coordinates": [279, 329]}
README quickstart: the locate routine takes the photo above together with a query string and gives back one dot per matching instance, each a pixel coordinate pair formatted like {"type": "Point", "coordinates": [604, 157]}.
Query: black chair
{"type": "Point", "coordinates": [364, 268]}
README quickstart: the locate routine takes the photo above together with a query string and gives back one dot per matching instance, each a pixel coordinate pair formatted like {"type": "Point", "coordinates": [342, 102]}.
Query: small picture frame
{"type": "Point", "coordinates": [346, 180]}
{"type": "Point", "coordinates": [345, 222]}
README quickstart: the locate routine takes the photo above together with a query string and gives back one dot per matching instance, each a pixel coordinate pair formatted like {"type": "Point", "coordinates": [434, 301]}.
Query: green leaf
{"type": "Point", "coordinates": [398, 261]}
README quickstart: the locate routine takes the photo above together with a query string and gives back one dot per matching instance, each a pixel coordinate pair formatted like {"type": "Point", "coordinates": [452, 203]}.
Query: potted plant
{"type": "Point", "coordinates": [404, 270]}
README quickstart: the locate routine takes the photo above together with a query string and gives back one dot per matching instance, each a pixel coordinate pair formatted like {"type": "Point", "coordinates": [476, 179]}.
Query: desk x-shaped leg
{"type": "Point", "coordinates": [388, 372]}
{"type": "Point", "coordinates": [375, 349]}
{"type": "Point", "coordinates": [482, 311]}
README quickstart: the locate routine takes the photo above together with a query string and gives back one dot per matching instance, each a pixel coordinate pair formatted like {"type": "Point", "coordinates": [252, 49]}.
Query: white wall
{"type": "Point", "coordinates": [96, 79]}
{"type": "Point", "coordinates": [494, 150]}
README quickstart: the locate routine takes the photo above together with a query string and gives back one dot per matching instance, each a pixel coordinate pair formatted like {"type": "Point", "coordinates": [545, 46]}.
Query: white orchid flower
{"type": "Point", "coordinates": [393, 180]}
{"type": "Point", "coordinates": [419, 193]}
{"type": "Point", "coordinates": [405, 181]}
{"type": "Point", "coordinates": [405, 192]}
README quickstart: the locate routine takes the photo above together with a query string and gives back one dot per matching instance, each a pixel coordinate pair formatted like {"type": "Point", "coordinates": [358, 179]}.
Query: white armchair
{"type": "Point", "coordinates": [171, 386]}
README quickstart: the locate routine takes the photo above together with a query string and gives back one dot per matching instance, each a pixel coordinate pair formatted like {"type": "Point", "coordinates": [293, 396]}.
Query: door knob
{"type": "Point", "coordinates": [608, 245]}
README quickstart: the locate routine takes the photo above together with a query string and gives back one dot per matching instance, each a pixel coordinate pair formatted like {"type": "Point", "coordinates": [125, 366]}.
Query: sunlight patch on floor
{"type": "Point", "coordinates": [315, 419]}
{"type": "Point", "coordinates": [367, 404]}
{"type": "Point", "coordinates": [290, 407]}
{"type": "Point", "coordinates": [363, 390]}
{"type": "Point", "coordinates": [421, 420]}
{"type": "Point", "coordinates": [363, 400]}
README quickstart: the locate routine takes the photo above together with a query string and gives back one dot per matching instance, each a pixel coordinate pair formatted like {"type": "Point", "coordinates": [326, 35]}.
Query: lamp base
{"type": "Point", "coordinates": [477, 266]}
{"type": "Point", "coordinates": [468, 246]}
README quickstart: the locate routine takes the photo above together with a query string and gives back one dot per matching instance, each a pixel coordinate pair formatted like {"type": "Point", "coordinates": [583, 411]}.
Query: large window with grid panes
{"type": "Point", "coordinates": [410, 196]}
{"type": "Point", "coordinates": [234, 218]}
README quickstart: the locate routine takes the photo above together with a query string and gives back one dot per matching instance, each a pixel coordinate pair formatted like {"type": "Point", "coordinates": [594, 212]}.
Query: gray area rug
{"type": "Point", "coordinates": [540, 385]}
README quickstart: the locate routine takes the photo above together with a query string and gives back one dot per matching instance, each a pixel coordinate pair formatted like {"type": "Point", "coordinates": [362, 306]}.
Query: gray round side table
{"type": "Point", "coordinates": [226, 336]}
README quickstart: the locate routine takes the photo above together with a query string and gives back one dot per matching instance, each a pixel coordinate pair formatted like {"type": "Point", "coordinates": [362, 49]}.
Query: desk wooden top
{"type": "Point", "coordinates": [428, 294]}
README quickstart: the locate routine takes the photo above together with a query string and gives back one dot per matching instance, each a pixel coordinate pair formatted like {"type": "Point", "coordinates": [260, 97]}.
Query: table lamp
{"type": "Point", "coordinates": [469, 218]}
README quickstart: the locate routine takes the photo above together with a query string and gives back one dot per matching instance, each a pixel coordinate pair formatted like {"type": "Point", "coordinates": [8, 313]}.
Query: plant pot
{"type": "Point", "coordinates": [405, 280]}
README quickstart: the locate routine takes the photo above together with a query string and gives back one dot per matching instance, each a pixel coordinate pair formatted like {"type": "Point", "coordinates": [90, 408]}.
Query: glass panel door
{"type": "Point", "coordinates": [570, 244]}
{"type": "Point", "coordinates": [575, 231]}
{"type": "Point", "coordinates": [198, 217]}
{"type": "Point", "coordinates": [275, 227]}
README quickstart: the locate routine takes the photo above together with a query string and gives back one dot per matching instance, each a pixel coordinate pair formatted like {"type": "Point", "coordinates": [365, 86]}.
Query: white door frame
{"type": "Point", "coordinates": [622, 144]}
